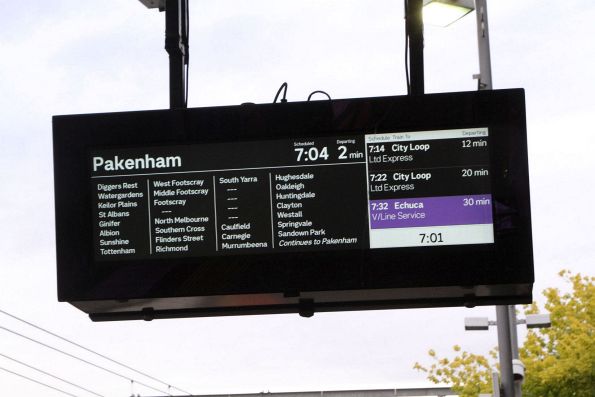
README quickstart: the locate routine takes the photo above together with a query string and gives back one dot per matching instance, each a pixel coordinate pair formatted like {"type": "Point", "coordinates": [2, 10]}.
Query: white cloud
{"type": "Point", "coordinates": [75, 57]}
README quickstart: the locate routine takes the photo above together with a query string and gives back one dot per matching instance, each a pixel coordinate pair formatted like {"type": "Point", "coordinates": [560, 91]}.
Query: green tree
{"type": "Point", "coordinates": [559, 361]}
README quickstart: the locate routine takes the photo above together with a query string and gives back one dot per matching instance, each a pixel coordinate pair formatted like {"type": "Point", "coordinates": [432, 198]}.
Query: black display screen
{"type": "Point", "coordinates": [343, 192]}
{"type": "Point", "coordinates": [349, 204]}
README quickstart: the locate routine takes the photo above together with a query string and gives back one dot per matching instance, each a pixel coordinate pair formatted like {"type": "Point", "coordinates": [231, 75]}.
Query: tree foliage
{"type": "Point", "coordinates": [559, 361]}
{"type": "Point", "coordinates": [468, 373]}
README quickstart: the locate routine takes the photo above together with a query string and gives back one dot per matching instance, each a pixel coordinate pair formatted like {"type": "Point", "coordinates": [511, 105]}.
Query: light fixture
{"type": "Point", "coordinates": [531, 321]}
{"type": "Point", "coordinates": [538, 320]}
{"type": "Point", "coordinates": [154, 3]}
{"type": "Point", "coordinates": [445, 12]}
{"type": "Point", "coordinates": [477, 323]}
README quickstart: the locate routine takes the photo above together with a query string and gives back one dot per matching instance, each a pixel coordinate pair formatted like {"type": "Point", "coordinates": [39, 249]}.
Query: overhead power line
{"type": "Point", "coordinates": [38, 382]}
{"type": "Point", "coordinates": [92, 351]}
{"type": "Point", "coordinates": [83, 360]}
{"type": "Point", "coordinates": [51, 375]}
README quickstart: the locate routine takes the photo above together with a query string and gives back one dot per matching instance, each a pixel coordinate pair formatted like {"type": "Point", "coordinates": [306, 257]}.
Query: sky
{"type": "Point", "coordinates": [71, 57]}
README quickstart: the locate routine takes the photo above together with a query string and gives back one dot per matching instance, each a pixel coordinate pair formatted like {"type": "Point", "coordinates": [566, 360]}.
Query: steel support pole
{"type": "Point", "coordinates": [514, 345]}
{"type": "Point", "coordinates": [175, 25]}
{"type": "Point", "coordinates": [504, 350]}
{"type": "Point", "coordinates": [483, 44]}
{"type": "Point", "coordinates": [502, 312]}
{"type": "Point", "coordinates": [414, 27]}
{"type": "Point", "coordinates": [503, 319]}
{"type": "Point", "coordinates": [495, 384]}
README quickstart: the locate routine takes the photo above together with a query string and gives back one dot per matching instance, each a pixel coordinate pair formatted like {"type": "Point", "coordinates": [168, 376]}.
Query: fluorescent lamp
{"type": "Point", "coordinates": [476, 324]}
{"type": "Point", "coordinates": [445, 12]}
{"type": "Point", "coordinates": [154, 3]}
{"type": "Point", "coordinates": [538, 321]}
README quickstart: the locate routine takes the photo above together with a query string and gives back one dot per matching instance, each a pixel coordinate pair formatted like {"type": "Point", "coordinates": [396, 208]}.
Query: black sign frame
{"type": "Point", "coordinates": [499, 273]}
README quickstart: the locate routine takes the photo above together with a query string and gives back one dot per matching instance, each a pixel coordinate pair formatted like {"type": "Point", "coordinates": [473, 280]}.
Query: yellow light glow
{"type": "Point", "coordinates": [442, 14]}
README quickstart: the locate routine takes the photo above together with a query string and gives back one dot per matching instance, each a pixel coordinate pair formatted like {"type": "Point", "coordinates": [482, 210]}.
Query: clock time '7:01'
{"type": "Point", "coordinates": [431, 238]}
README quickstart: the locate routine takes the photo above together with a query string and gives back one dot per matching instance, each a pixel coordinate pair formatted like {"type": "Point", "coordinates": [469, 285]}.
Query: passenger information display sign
{"type": "Point", "coordinates": [369, 203]}
{"type": "Point", "coordinates": [343, 192]}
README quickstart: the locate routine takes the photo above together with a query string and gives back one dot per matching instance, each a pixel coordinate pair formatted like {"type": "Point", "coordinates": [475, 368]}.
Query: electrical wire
{"type": "Point", "coordinates": [284, 88]}
{"type": "Point", "coordinates": [38, 382]}
{"type": "Point", "coordinates": [82, 360]}
{"type": "Point", "coordinates": [92, 351]}
{"type": "Point", "coordinates": [50, 375]}
{"type": "Point", "coordinates": [318, 92]}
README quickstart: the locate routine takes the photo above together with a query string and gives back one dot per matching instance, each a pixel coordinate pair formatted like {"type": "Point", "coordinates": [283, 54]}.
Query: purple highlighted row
{"type": "Point", "coordinates": [431, 211]}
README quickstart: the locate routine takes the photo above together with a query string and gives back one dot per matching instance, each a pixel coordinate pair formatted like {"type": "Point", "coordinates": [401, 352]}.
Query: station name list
{"type": "Point", "coordinates": [287, 195]}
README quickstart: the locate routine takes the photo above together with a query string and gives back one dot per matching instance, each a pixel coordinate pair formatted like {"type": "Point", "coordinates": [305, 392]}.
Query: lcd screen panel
{"type": "Point", "coordinates": [344, 192]}
{"type": "Point", "coordinates": [429, 188]}
{"type": "Point", "coordinates": [351, 204]}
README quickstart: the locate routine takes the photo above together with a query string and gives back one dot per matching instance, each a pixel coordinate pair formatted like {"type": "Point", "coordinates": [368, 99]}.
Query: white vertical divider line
{"type": "Point", "coordinates": [271, 199]}
{"type": "Point", "coordinates": [368, 209]}
{"type": "Point", "coordinates": [215, 212]}
{"type": "Point", "coordinates": [149, 211]}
